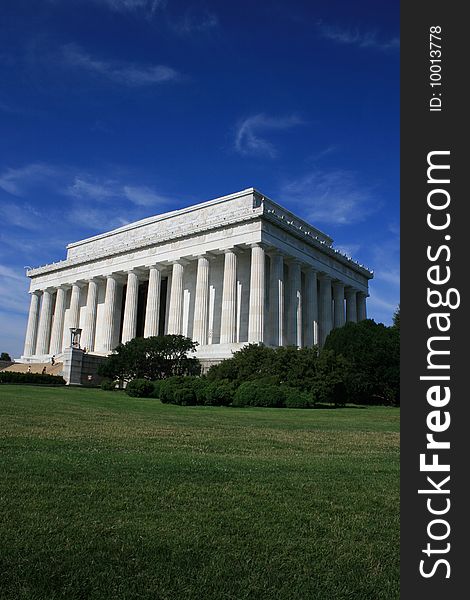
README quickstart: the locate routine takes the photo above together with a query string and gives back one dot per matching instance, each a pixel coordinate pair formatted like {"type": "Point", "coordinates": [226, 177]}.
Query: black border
{"type": "Point", "coordinates": [423, 131]}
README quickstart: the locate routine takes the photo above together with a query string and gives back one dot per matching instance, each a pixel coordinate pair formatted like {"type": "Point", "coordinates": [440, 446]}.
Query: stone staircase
{"type": "Point", "coordinates": [55, 369]}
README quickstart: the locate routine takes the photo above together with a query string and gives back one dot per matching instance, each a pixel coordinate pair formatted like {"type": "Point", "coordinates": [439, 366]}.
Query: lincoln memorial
{"type": "Point", "coordinates": [235, 270]}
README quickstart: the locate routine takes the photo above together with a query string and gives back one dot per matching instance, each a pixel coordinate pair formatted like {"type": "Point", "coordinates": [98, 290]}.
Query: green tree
{"type": "Point", "coordinates": [396, 318]}
{"type": "Point", "coordinates": [322, 375]}
{"type": "Point", "coordinates": [373, 353]}
{"type": "Point", "coordinates": [151, 358]}
{"type": "Point", "coordinates": [5, 356]}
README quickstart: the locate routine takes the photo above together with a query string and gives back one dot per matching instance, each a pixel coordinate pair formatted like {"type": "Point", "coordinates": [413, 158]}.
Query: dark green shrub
{"type": "Point", "coordinates": [295, 398]}
{"type": "Point", "coordinates": [35, 378]}
{"type": "Point", "coordinates": [139, 388]}
{"type": "Point", "coordinates": [156, 388]}
{"type": "Point", "coordinates": [151, 358]}
{"type": "Point", "coordinates": [108, 385]}
{"type": "Point", "coordinates": [184, 396]}
{"type": "Point", "coordinates": [216, 393]}
{"type": "Point", "coordinates": [167, 389]}
{"type": "Point", "coordinates": [182, 390]}
{"type": "Point", "coordinates": [254, 393]}
{"type": "Point", "coordinates": [373, 352]}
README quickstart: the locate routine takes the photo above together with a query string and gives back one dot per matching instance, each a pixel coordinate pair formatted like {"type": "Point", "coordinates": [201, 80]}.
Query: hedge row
{"type": "Point", "coordinates": [198, 391]}
{"type": "Point", "coordinates": [36, 378]}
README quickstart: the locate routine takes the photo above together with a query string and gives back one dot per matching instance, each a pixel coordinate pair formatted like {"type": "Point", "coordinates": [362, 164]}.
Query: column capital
{"type": "Point", "coordinates": [338, 284]}
{"type": "Point", "coordinates": [292, 260]}
{"type": "Point", "coordinates": [114, 276]}
{"type": "Point", "coordinates": [79, 283]}
{"type": "Point", "coordinates": [258, 245]}
{"type": "Point", "coordinates": [231, 249]}
{"type": "Point", "coordinates": [325, 277]}
{"type": "Point", "coordinates": [183, 262]}
{"type": "Point", "coordinates": [310, 269]}
{"type": "Point", "coordinates": [275, 253]}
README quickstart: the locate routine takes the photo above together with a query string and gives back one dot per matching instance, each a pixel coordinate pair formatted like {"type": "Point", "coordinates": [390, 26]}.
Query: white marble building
{"type": "Point", "coordinates": [226, 272]}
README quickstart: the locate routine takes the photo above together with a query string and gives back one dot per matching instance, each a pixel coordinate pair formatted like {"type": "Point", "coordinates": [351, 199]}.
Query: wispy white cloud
{"type": "Point", "coordinates": [96, 218]}
{"type": "Point", "coordinates": [13, 285]}
{"type": "Point", "coordinates": [103, 190]}
{"type": "Point", "coordinates": [15, 110]}
{"type": "Point", "coordinates": [356, 37]}
{"type": "Point", "coordinates": [95, 190]}
{"type": "Point", "coordinates": [124, 73]}
{"type": "Point", "coordinates": [12, 329]}
{"type": "Point", "coordinates": [332, 197]}
{"type": "Point", "coordinates": [18, 181]}
{"type": "Point", "coordinates": [10, 273]}
{"type": "Point", "coordinates": [386, 257]}
{"type": "Point", "coordinates": [149, 6]}
{"type": "Point", "coordinates": [349, 249]}
{"type": "Point", "coordinates": [20, 214]}
{"type": "Point", "coordinates": [144, 196]}
{"type": "Point", "coordinates": [377, 303]}
{"type": "Point", "coordinates": [385, 287]}
{"type": "Point", "coordinates": [250, 133]}
{"type": "Point", "coordinates": [195, 23]}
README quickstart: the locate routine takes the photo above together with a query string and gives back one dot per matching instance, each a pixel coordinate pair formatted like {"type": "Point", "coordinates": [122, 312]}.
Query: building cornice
{"type": "Point", "coordinates": [261, 208]}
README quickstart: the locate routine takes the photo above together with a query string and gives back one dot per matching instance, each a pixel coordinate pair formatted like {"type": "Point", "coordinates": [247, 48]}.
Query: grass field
{"type": "Point", "coordinates": [105, 496]}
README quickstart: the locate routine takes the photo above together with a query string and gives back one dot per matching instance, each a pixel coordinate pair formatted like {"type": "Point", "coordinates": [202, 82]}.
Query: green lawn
{"type": "Point", "coordinates": [105, 496]}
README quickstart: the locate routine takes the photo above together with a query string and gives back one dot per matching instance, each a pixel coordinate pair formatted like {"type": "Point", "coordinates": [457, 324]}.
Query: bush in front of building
{"type": "Point", "coordinates": [139, 388]}
{"type": "Point", "coordinates": [373, 353]}
{"type": "Point", "coordinates": [182, 390]}
{"type": "Point", "coordinates": [216, 393]}
{"type": "Point", "coordinates": [108, 385]}
{"type": "Point", "coordinates": [34, 378]}
{"type": "Point", "coordinates": [151, 358]}
{"type": "Point", "coordinates": [259, 393]}
{"type": "Point", "coordinates": [294, 398]}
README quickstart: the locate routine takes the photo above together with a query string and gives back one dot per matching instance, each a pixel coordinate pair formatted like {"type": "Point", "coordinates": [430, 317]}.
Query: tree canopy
{"type": "Point", "coordinates": [373, 352]}
{"type": "Point", "coordinates": [151, 358]}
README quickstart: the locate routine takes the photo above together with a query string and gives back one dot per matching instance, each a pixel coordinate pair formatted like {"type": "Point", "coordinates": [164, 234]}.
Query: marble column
{"type": "Point", "coordinates": [351, 305]}
{"type": "Point", "coordinates": [361, 306]}
{"type": "Point", "coordinates": [338, 297]}
{"type": "Point", "coordinates": [44, 327]}
{"type": "Point", "coordinates": [228, 320]}
{"type": "Point", "coordinates": [129, 325]}
{"type": "Point", "coordinates": [325, 308]}
{"type": "Point", "coordinates": [175, 315]}
{"type": "Point", "coordinates": [74, 312]}
{"type": "Point", "coordinates": [32, 328]}
{"type": "Point", "coordinates": [311, 308]}
{"type": "Point", "coordinates": [109, 312]}
{"type": "Point", "coordinates": [152, 311]}
{"type": "Point", "coordinates": [295, 304]}
{"type": "Point", "coordinates": [88, 337]}
{"type": "Point", "coordinates": [201, 302]}
{"type": "Point", "coordinates": [276, 292]}
{"type": "Point", "coordinates": [58, 322]}
{"type": "Point", "coordinates": [257, 293]}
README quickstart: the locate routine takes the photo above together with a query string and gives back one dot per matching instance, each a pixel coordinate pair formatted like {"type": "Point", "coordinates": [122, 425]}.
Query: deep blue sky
{"type": "Point", "coordinates": [114, 110]}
